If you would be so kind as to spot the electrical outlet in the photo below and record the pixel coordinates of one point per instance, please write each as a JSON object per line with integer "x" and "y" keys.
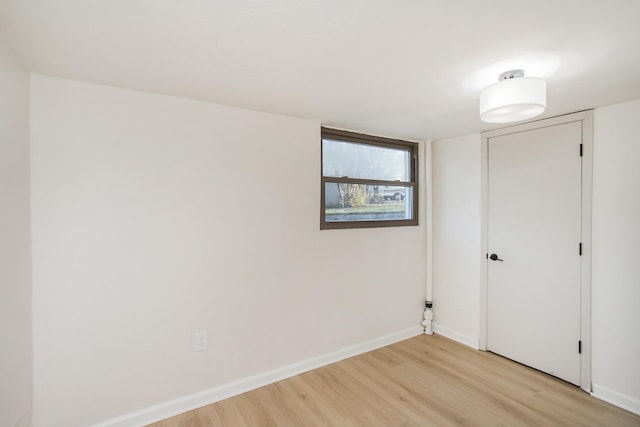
{"x": 200, "y": 341}
{"x": 457, "y": 303}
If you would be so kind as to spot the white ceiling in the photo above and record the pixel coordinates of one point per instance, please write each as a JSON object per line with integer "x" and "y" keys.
{"x": 402, "y": 68}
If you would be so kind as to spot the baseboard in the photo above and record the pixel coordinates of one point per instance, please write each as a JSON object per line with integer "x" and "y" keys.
{"x": 206, "y": 397}
{"x": 615, "y": 398}
{"x": 456, "y": 336}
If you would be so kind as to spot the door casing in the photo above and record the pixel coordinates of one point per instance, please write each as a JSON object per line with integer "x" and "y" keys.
{"x": 586, "y": 120}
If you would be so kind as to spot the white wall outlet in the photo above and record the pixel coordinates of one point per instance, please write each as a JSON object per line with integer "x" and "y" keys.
{"x": 200, "y": 341}
{"x": 457, "y": 303}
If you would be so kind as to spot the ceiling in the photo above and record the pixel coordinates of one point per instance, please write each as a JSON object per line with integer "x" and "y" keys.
{"x": 400, "y": 68}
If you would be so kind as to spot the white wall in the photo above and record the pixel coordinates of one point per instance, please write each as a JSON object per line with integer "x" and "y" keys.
{"x": 155, "y": 217}
{"x": 456, "y": 237}
{"x": 616, "y": 254}
{"x": 15, "y": 245}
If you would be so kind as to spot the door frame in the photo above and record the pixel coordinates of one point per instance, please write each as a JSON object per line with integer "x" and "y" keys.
{"x": 586, "y": 119}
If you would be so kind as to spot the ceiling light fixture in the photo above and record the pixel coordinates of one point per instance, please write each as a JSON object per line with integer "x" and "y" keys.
{"x": 514, "y": 98}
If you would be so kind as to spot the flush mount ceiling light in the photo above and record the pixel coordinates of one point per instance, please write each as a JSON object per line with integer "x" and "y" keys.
{"x": 514, "y": 98}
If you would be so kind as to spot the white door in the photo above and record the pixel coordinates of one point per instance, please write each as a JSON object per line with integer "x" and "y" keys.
{"x": 534, "y": 229}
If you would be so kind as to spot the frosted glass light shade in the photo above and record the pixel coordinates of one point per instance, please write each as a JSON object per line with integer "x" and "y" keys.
{"x": 513, "y": 100}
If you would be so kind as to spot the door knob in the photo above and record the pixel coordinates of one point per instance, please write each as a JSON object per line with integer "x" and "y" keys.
{"x": 494, "y": 257}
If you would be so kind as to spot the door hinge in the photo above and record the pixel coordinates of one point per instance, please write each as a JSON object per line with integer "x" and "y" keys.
{"x": 580, "y": 347}
{"x": 580, "y": 248}
{"x": 580, "y": 150}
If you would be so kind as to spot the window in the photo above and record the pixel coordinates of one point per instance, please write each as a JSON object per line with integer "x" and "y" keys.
{"x": 367, "y": 181}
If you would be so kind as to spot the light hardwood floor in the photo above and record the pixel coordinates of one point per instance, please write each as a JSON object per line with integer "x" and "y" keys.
{"x": 423, "y": 381}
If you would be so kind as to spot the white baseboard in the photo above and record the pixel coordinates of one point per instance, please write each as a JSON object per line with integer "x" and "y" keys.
{"x": 206, "y": 397}
{"x": 615, "y": 398}
{"x": 456, "y": 336}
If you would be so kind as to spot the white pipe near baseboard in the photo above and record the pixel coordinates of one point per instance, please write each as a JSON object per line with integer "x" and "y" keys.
{"x": 428, "y": 313}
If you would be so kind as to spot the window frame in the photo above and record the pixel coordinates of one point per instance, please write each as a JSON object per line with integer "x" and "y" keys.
{"x": 376, "y": 141}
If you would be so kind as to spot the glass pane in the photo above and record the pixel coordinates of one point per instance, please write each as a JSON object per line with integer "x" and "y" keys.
{"x": 360, "y": 202}
{"x": 340, "y": 159}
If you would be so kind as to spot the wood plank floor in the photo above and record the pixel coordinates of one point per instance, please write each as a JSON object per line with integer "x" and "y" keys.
{"x": 423, "y": 381}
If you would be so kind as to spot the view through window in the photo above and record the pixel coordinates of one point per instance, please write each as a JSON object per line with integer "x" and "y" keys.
{"x": 367, "y": 181}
